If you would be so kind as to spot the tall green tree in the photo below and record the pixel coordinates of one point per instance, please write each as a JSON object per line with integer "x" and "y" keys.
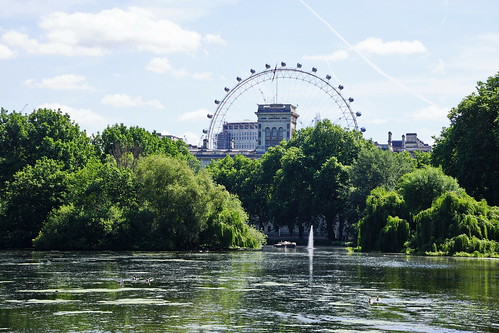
{"x": 384, "y": 222}
{"x": 422, "y": 186}
{"x": 128, "y": 144}
{"x": 372, "y": 168}
{"x": 94, "y": 216}
{"x": 469, "y": 148}
{"x": 24, "y": 139}
{"x": 28, "y": 199}
{"x": 329, "y": 194}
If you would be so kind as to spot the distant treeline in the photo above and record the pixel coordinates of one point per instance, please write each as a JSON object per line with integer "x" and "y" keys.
{"x": 387, "y": 202}
{"x": 124, "y": 189}
{"x": 130, "y": 189}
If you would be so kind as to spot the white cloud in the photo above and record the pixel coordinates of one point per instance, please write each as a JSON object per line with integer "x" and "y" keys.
{"x": 161, "y": 65}
{"x": 18, "y": 39}
{"x": 61, "y": 82}
{"x": 198, "y": 115}
{"x": 6, "y": 53}
{"x": 96, "y": 33}
{"x": 125, "y": 101}
{"x": 378, "y": 46}
{"x": 335, "y": 56}
{"x": 213, "y": 39}
{"x": 191, "y": 138}
{"x": 86, "y": 118}
{"x": 432, "y": 112}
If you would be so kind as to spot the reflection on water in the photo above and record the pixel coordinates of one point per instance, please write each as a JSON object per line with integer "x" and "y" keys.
{"x": 278, "y": 290}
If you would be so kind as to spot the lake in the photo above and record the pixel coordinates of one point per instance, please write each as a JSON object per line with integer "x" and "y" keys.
{"x": 273, "y": 290}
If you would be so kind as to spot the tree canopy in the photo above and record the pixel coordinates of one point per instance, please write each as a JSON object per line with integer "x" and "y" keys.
{"x": 125, "y": 189}
{"x": 469, "y": 148}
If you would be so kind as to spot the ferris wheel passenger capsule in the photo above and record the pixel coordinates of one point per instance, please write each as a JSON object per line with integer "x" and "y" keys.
{"x": 340, "y": 87}
{"x": 362, "y": 129}
{"x": 314, "y": 69}
{"x": 267, "y": 66}
{"x": 217, "y": 101}
{"x": 209, "y": 115}
{"x": 328, "y": 77}
{"x": 226, "y": 89}
{"x": 252, "y": 71}
{"x": 358, "y": 113}
{"x": 298, "y": 65}
{"x": 283, "y": 64}
{"x": 205, "y": 131}
{"x": 350, "y": 99}
{"x": 238, "y": 79}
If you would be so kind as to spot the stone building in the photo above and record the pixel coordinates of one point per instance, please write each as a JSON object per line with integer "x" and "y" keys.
{"x": 410, "y": 142}
{"x": 243, "y": 135}
{"x": 275, "y": 123}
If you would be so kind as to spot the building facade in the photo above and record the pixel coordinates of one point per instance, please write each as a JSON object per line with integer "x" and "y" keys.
{"x": 410, "y": 142}
{"x": 242, "y": 135}
{"x": 276, "y": 122}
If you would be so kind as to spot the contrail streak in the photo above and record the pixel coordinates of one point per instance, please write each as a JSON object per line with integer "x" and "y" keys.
{"x": 366, "y": 59}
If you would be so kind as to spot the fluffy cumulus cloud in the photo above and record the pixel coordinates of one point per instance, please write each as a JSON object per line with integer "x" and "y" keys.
{"x": 161, "y": 65}
{"x": 378, "y": 46}
{"x": 6, "y": 53}
{"x": 96, "y": 33}
{"x": 61, "y": 82}
{"x": 198, "y": 115}
{"x": 432, "y": 112}
{"x": 374, "y": 45}
{"x": 125, "y": 101}
{"x": 86, "y": 118}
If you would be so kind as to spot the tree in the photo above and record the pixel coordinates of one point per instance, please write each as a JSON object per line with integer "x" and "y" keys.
{"x": 28, "y": 199}
{"x": 329, "y": 194}
{"x": 128, "y": 144}
{"x": 44, "y": 133}
{"x": 385, "y": 218}
{"x": 373, "y": 168}
{"x": 95, "y": 214}
{"x": 457, "y": 222}
{"x": 468, "y": 148}
{"x": 420, "y": 187}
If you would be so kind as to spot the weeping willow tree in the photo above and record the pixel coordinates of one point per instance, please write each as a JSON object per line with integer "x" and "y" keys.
{"x": 383, "y": 227}
{"x": 429, "y": 213}
{"x": 162, "y": 205}
{"x": 458, "y": 223}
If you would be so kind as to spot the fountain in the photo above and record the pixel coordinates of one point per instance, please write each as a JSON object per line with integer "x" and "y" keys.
{"x": 311, "y": 238}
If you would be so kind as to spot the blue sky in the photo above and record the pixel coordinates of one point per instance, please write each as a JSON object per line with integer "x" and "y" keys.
{"x": 160, "y": 64}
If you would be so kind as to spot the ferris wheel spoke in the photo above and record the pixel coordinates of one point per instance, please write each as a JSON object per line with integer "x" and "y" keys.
{"x": 314, "y": 97}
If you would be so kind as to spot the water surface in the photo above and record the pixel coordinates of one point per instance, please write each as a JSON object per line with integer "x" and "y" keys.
{"x": 278, "y": 290}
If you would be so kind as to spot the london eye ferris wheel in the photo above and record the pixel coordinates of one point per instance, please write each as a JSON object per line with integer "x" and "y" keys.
{"x": 314, "y": 96}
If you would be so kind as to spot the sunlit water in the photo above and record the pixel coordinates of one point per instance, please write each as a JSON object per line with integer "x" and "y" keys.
{"x": 274, "y": 290}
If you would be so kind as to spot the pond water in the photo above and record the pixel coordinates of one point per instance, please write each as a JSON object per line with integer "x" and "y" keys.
{"x": 273, "y": 290}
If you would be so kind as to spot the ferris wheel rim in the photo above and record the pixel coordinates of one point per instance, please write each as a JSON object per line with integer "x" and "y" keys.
{"x": 231, "y": 95}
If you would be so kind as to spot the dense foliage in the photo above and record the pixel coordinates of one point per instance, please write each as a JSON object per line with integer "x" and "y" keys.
{"x": 469, "y": 148}
{"x": 318, "y": 176}
{"x": 429, "y": 213}
{"x": 125, "y": 189}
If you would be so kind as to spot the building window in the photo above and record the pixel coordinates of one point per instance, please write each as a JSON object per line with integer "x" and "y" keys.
{"x": 267, "y": 137}
{"x": 273, "y": 139}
